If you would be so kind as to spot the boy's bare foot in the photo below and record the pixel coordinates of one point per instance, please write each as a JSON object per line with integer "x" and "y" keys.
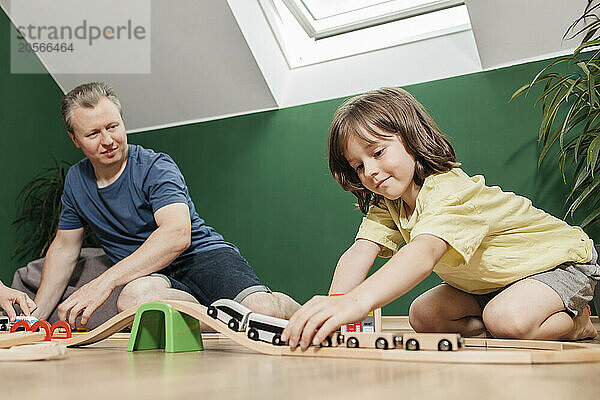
{"x": 583, "y": 327}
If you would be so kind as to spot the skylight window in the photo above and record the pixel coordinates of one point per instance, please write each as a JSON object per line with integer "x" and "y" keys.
{"x": 314, "y": 31}
{"x": 325, "y": 18}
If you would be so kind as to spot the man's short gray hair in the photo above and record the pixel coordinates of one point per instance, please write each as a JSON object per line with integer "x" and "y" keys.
{"x": 87, "y": 95}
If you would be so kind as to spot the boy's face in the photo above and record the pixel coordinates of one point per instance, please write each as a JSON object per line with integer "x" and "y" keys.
{"x": 383, "y": 166}
{"x": 100, "y": 134}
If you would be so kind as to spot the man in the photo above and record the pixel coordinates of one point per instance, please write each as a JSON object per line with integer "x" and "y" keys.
{"x": 137, "y": 204}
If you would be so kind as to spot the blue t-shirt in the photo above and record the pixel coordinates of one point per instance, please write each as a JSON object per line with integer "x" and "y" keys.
{"x": 121, "y": 215}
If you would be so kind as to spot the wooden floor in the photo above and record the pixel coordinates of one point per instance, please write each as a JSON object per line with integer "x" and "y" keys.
{"x": 227, "y": 371}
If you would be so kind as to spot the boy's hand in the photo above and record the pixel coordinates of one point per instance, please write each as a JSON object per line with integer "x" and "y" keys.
{"x": 320, "y": 317}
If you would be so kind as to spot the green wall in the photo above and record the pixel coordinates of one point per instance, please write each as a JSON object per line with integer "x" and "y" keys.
{"x": 32, "y": 132}
{"x": 262, "y": 179}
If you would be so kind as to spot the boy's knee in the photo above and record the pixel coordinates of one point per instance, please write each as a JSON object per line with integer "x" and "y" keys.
{"x": 504, "y": 323}
{"x": 421, "y": 315}
{"x": 139, "y": 291}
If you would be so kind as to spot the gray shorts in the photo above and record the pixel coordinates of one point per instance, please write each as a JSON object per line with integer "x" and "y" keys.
{"x": 573, "y": 282}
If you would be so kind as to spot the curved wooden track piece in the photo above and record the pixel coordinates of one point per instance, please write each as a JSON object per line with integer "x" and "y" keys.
{"x": 18, "y": 338}
{"x": 479, "y": 351}
{"x": 109, "y": 328}
{"x": 34, "y": 352}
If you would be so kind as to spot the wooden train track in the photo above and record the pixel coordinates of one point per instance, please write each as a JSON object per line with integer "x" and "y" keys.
{"x": 26, "y": 346}
{"x": 477, "y": 351}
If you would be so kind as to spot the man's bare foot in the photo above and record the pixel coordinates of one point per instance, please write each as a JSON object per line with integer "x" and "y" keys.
{"x": 275, "y": 304}
{"x": 288, "y": 305}
{"x": 583, "y": 327}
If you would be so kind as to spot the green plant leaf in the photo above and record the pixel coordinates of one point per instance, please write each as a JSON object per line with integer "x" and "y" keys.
{"x": 539, "y": 77}
{"x": 550, "y": 114}
{"x": 592, "y": 154}
{"x": 573, "y": 110}
{"x": 547, "y": 146}
{"x": 591, "y": 30}
{"x": 555, "y": 85}
{"x": 586, "y": 45}
{"x": 591, "y": 218}
{"x": 583, "y": 174}
{"x": 584, "y": 195}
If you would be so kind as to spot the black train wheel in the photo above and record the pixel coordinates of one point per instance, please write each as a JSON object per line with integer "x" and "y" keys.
{"x": 327, "y": 342}
{"x": 253, "y": 334}
{"x": 412, "y": 345}
{"x": 381, "y": 343}
{"x": 233, "y": 324}
{"x": 211, "y": 311}
{"x": 352, "y": 343}
{"x": 444, "y": 345}
{"x": 277, "y": 340}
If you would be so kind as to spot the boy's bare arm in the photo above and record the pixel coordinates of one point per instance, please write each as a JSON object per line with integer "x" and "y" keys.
{"x": 407, "y": 268}
{"x": 321, "y": 315}
{"x": 354, "y": 265}
{"x": 61, "y": 259}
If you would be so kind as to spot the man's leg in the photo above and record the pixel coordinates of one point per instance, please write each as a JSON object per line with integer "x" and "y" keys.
{"x": 275, "y": 304}
{"x": 153, "y": 288}
{"x": 446, "y": 309}
{"x": 149, "y": 288}
{"x": 224, "y": 274}
{"x": 530, "y": 309}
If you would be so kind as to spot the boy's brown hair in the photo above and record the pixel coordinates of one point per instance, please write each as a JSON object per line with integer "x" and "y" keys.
{"x": 392, "y": 111}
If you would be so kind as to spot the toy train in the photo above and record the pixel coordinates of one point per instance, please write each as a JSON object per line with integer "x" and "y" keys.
{"x": 391, "y": 340}
{"x": 4, "y": 323}
{"x": 269, "y": 329}
{"x": 240, "y": 318}
{"x": 30, "y": 319}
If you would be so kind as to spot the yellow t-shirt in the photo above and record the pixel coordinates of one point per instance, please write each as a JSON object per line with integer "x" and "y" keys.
{"x": 496, "y": 237}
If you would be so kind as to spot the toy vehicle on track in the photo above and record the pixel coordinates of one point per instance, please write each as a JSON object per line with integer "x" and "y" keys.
{"x": 230, "y": 312}
{"x": 396, "y": 340}
{"x": 433, "y": 341}
{"x": 266, "y": 328}
{"x": 4, "y": 323}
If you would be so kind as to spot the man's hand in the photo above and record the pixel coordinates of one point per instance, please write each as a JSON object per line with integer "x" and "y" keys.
{"x": 9, "y": 296}
{"x": 320, "y": 317}
{"x": 85, "y": 300}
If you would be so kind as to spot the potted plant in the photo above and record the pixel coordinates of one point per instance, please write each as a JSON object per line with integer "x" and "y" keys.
{"x": 38, "y": 212}
{"x": 570, "y": 115}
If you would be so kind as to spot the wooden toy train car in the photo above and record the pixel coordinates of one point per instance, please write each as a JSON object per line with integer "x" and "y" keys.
{"x": 4, "y": 323}
{"x": 266, "y": 328}
{"x": 30, "y": 319}
{"x": 390, "y": 340}
{"x": 230, "y": 312}
{"x": 433, "y": 341}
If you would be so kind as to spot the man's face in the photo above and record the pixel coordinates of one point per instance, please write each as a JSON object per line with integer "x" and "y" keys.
{"x": 100, "y": 134}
